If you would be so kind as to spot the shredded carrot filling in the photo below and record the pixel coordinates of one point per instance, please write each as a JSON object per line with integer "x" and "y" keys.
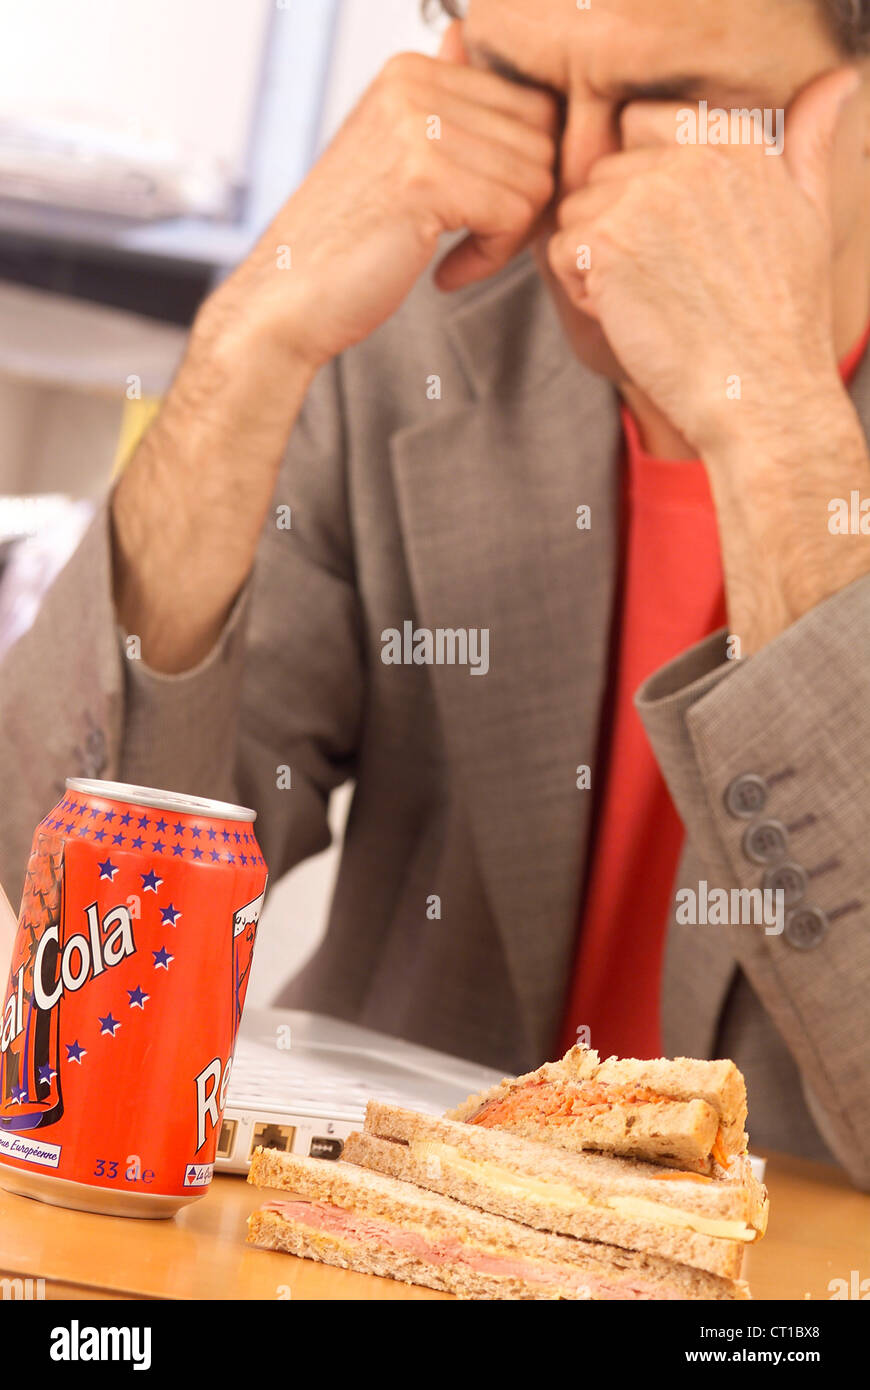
{"x": 560, "y": 1103}
{"x": 676, "y": 1175}
{"x": 718, "y": 1150}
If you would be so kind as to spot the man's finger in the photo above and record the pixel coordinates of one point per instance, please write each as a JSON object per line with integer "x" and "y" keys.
{"x": 528, "y": 104}
{"x": 529, "y": 141}
{"x": 813, "y": 125}
{"x": 580, "y": 208}
{"x": 644, "y": 124}
{"x": 452, "y": 48}
{"x": 612, "y": 168}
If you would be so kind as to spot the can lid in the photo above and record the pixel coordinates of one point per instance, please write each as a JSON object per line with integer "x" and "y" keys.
{"x": 161, "y": 801}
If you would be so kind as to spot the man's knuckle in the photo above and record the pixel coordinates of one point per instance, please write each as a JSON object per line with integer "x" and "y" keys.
{"x": 403, "y": 67}
{"x": 546, "y": 185}
{"x": 520, "y": 209}
{"x": 416, "y": 173}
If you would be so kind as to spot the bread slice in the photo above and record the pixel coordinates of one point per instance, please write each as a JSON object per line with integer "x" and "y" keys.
{"x": 347, "y": 1216}
{"x": 683, "y": 1113}
{"x": 698, "y": 1221}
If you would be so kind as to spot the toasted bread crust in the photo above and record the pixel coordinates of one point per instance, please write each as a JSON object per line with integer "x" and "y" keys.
{"x": 704, "y": 1096}
{"x": 272, "y": 1230}
{"x": 737, "y": 1197}
{"x": 715, "y": 1255}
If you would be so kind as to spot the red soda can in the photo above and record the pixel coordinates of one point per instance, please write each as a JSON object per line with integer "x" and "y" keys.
{"x": 125, "y": 994}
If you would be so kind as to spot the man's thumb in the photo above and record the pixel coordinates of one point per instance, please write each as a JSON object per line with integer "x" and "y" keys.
{"x": 452, "y": 48}
{"x": 811, "y": 132}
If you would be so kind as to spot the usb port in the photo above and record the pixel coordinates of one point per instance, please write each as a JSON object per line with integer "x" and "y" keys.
{"x": 273, "y": 1136}
{"x": 325, "y": 1148}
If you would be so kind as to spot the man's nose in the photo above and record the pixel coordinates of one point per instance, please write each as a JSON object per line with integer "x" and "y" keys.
{"x": 591, "y": 131}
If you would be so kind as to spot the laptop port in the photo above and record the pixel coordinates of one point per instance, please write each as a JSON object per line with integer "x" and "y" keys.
{"x": 273, "y": 1136}
{"x": 325, "y": 1148}
{"x": 227, "y": 1138}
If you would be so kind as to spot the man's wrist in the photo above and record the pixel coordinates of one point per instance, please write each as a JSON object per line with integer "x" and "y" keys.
{"x": 776, "y": 416}
{"x": 779, "y": 482}
{"x": 251, "y": 314}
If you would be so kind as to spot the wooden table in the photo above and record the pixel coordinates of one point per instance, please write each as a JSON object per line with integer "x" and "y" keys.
{"x": 819, "y": 1231}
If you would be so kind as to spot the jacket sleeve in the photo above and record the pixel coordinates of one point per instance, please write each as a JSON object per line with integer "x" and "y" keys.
{"x": 796, "y": 717}
{"x": 270, "y": 717}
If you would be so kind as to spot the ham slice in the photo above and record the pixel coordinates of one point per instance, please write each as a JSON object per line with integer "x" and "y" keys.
{"x": 443, "y": 1249}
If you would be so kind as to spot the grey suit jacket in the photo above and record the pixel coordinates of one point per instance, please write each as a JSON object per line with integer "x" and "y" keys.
{"x": 460, "y": 512}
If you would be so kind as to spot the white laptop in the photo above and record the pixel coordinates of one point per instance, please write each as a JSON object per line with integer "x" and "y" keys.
{"x": 300, "y": 1083}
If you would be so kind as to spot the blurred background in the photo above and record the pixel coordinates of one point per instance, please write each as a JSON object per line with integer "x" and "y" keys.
{"x": 143, "y": 148}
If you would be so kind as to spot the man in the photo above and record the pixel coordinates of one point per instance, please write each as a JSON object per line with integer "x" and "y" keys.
{"x": 468, "y": 562}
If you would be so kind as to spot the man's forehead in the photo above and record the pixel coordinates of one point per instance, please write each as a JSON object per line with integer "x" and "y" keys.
{"x": 639, "y": 49}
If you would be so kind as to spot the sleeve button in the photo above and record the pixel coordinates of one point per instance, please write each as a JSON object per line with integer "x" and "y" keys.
{"x": 805, "y": 928}
{"x": 766, "y": 842}
{"x": 746, "y": 796}
{"x": 789, "y": 879}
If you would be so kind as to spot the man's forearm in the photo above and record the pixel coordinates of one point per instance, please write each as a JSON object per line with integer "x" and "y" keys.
{"x": 188, "y": 512}
{"x": 774, "y": 479}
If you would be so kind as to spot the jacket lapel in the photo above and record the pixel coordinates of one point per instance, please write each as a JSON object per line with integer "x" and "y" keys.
{"x": 488, "y": 494}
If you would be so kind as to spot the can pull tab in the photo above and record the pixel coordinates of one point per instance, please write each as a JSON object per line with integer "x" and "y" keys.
{"x": 8, "y": 930}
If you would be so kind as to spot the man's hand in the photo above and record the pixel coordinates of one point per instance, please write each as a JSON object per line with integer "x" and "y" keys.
{"x": 710, "y": 272}
{"x": 434, "y": 146}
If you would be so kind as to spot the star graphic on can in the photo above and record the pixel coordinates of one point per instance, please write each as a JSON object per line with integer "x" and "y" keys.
{"x": 107, "y": 869}
{"x": 137, "y": 997}
{"x": 109, "y": 1025}
{"x": 46, "y": 1072}
{"x": 162, "y": 957}
{"x": 150, "y": 881}
{"x": 75, "y": 1053}
{"x": 169, "y": 915}
{"x": 19, "y": 1094}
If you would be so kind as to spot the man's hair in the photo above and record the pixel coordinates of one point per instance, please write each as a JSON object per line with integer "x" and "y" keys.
{"x": 849, "y": 19}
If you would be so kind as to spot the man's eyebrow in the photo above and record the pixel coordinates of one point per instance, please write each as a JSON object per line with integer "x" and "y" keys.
{"x": 681, "y": 87}
{"x": 503, "y": 67}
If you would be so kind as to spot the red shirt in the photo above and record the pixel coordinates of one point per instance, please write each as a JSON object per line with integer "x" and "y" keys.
{"x": 672, "y": 598}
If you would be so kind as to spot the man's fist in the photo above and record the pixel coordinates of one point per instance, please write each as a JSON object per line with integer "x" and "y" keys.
{"x": 434, "y": 146}
{"x": 709, "y": 265}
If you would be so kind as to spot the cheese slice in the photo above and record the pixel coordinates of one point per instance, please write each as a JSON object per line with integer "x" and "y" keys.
{"x": 437, "y": 1158}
